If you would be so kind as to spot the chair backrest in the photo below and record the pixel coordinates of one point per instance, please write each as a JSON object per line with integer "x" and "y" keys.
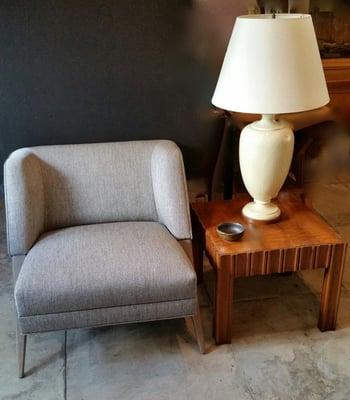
{"x": 85, "y": 184}
{"x": 94, "y": 183}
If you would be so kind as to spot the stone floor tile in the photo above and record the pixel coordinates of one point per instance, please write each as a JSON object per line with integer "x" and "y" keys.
{"x": 276, "y": 353}
{"x": 331, "y": 201}
{"x": 44, "y": 362}
{"x": 282, "y": 355}
{"x": 263, "y": 317}
{"x": 290, "y": 365}
{"x": 312, "y": 280}
{"x": 271, "y": 286}
{"x": 157, "y": 360}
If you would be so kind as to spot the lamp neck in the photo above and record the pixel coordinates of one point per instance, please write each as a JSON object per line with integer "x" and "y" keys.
{"x": 268, "y": 118}
{"x": 268, "y": 122}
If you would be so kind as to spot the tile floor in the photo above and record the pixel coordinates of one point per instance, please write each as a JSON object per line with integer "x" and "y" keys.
{"x": 276, "y": 351}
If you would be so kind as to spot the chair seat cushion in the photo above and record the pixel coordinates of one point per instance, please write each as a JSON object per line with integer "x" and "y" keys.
{"x": 103, "y": 265}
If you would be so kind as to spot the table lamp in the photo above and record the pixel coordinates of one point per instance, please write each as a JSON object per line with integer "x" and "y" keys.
{"x": 272, "y": 66}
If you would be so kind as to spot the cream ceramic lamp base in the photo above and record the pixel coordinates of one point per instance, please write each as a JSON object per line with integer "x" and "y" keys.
{"x": 265, "y": 155}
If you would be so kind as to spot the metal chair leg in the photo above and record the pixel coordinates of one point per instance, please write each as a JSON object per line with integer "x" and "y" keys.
{"x": 197, "y": 323}
{"x": 21, "y": 353}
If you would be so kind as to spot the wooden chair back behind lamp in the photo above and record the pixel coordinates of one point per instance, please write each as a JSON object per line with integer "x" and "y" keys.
{"x": 308, "y": 127}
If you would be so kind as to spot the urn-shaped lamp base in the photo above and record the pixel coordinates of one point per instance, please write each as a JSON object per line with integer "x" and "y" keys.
{"x": 265, "y": 154}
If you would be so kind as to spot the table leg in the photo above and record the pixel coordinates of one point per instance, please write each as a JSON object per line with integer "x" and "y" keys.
{"x": 223, "y": 301}
{"x": 331, "y": 288}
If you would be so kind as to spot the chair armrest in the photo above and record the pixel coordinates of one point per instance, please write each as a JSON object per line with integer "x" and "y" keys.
{"x": 24, "y": 201}
{"x": 170, "y": 189}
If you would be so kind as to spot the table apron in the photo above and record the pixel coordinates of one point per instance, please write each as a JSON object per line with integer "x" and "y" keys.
{"x": 276, "y": 261}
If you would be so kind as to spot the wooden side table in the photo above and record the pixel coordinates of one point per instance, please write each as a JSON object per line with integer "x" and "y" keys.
{"x": 300, "y": 239}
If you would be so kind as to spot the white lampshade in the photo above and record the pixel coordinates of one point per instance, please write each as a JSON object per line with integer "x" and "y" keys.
{"x": 272, "y": 66}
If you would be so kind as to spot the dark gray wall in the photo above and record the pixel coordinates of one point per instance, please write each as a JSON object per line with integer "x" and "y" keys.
{"x": 75, "y": 71}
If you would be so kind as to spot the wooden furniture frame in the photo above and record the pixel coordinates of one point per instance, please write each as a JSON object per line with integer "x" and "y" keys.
{"x": 299, "y": 240}
{"x": 337, "y": 73}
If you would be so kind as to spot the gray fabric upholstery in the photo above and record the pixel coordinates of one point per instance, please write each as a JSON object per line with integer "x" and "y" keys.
{"x": 17, "y": 262}
{"x": 24, "y": 201}
{"x": 169, "y": 183}
{"x": 101, "y": 266}
{"x": 108, "y": 316}
{"x": 187, "y": 247}
{"x": 50, "y": 187}
{"x": 92, "y": 232}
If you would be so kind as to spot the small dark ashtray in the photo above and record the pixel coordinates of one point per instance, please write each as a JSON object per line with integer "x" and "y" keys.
{"x": 230, "y": 231}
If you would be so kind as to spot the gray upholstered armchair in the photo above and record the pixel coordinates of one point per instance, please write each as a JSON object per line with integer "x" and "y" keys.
{"x": 98, "y": 235}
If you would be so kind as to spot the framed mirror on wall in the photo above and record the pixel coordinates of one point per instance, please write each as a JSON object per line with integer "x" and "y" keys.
{"x": 214, "y": 19}
{"x": 332, "y": 25}
{"x": 331, "y": 19}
